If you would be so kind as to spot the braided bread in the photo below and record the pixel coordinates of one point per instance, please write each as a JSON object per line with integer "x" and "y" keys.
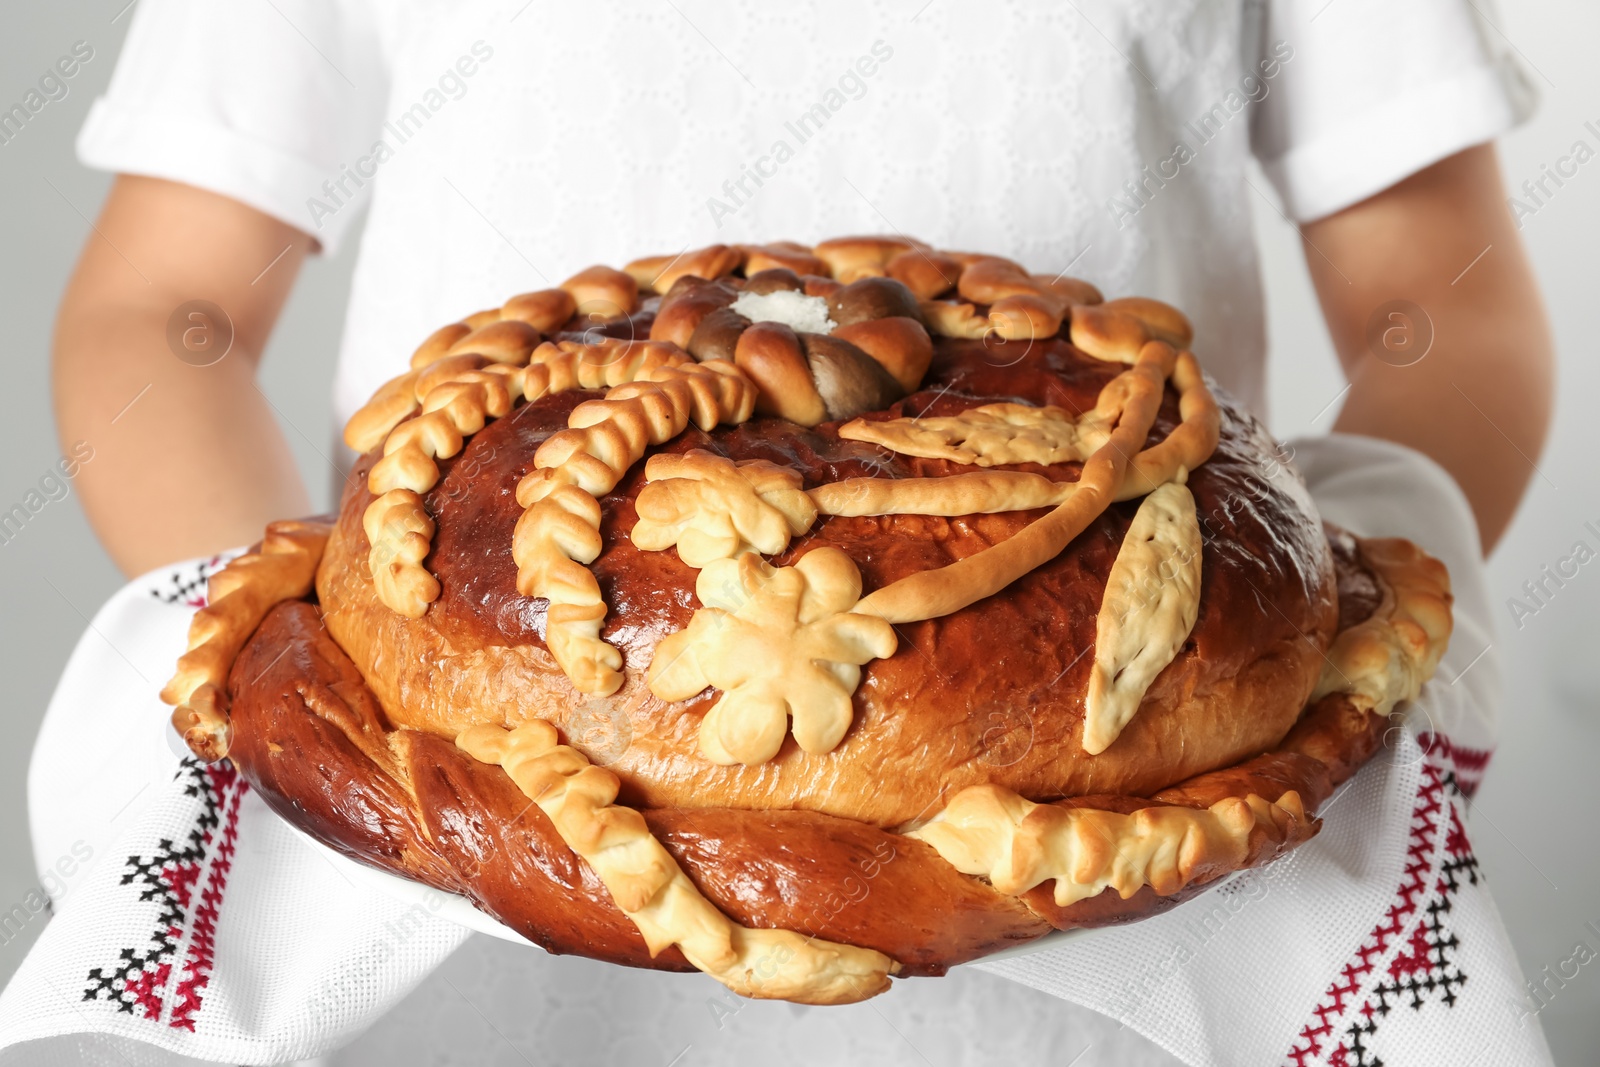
{"x": 561, "y": 528}
{"x": 460, "y": 825}
{"x": 237, "y": 599}
{"x": 400, "y": 531}
{"x": 734, "y": 611}
{"x": 650, "y": 887}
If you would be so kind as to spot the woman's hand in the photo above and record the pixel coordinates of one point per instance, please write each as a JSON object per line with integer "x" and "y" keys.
{"x": 187, "y": 456}
{"x": 1479, "y": 401}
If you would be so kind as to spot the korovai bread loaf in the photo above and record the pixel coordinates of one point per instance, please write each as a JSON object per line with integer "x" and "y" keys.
{"x": 807, "y": 616}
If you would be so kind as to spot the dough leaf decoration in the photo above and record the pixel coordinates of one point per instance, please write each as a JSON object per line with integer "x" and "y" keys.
{"x": 990, "y": 436}
{"x": 1151, "y": 602}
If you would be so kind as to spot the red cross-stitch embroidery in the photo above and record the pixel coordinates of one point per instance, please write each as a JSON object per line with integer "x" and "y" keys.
{"x": 186, "y": 883}
{"x": 1409, "y": 957}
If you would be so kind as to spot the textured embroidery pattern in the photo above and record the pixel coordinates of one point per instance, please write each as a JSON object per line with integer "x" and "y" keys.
{"x": 164, "y": 980}
{"x": 1409, "y": 959}
{"x": 187, "y": 587}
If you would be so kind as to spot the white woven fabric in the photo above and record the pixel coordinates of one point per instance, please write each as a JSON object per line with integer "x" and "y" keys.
{"x": 202, "y": 925}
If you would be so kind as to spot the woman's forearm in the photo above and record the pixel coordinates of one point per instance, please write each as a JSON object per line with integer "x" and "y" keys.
{"x": 1437, "y": 319}
{"x": 188, "y": 457}
{"x": 1480, "y": 408}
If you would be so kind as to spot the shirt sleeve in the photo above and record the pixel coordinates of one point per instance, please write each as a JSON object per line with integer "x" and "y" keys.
{"x": 1367, "y": 92}
{"x": 270, "y": 103}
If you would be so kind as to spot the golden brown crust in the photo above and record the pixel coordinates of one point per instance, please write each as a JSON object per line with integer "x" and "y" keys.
{"x": 1025, "y": 317}
{"x": 926, "y": 273}
{"x": 657, "y": 274}
{"x": 395, "y": 400}
{"x": 1074, "y": 291}
{"x": 784, "y": 255}
{"x": 954, "y": 319}
{"x": 501, "y": 341}
{"x": 1138, "y": 393}
{"x": 506, "y": 579}
{"x": 458, "y": 393}
{"x": 602, "y": 293}
{"x": 898, "y": 343}
{"x": 560, "y": 531}
{"x": 1116, "y": 331}
{"x": 987, "y": 279}
{"x": 679, "y": 317}
{"x": 438, "y": 344}
{"x": 852, "y": 258}
{"x": 1231, "y": 693}
{"x": 648, "y": 885}
{"x": 1018, "y": 845}
{"x": 1027, "y": 307}
{"x": 770, "y": 354}
{"x": 313, "y": 741}
{"x": 238, "y": 597}
{"x": 1385, "y": 659}
{"x": 546, "y": 310}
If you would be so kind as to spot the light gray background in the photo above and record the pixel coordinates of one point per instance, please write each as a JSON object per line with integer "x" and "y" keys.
{"x": 1534, "y": 821}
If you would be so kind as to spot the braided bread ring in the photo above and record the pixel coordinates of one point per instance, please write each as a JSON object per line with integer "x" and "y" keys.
{"x": 1019, "y": 303}
{"x": 400, "y": 533}
{"x": 461, "y": 826}
{"x": 457, "y": 394}
{"x": 649, "y": 886}
{"x": 399, "y": 530}
{"x": 238, "y": 597}
{"x": 560, "y": 530}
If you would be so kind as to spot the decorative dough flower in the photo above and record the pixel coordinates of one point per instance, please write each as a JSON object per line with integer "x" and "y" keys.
{"x": 712, "y": 508}
{"x": 780, "y": 643}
